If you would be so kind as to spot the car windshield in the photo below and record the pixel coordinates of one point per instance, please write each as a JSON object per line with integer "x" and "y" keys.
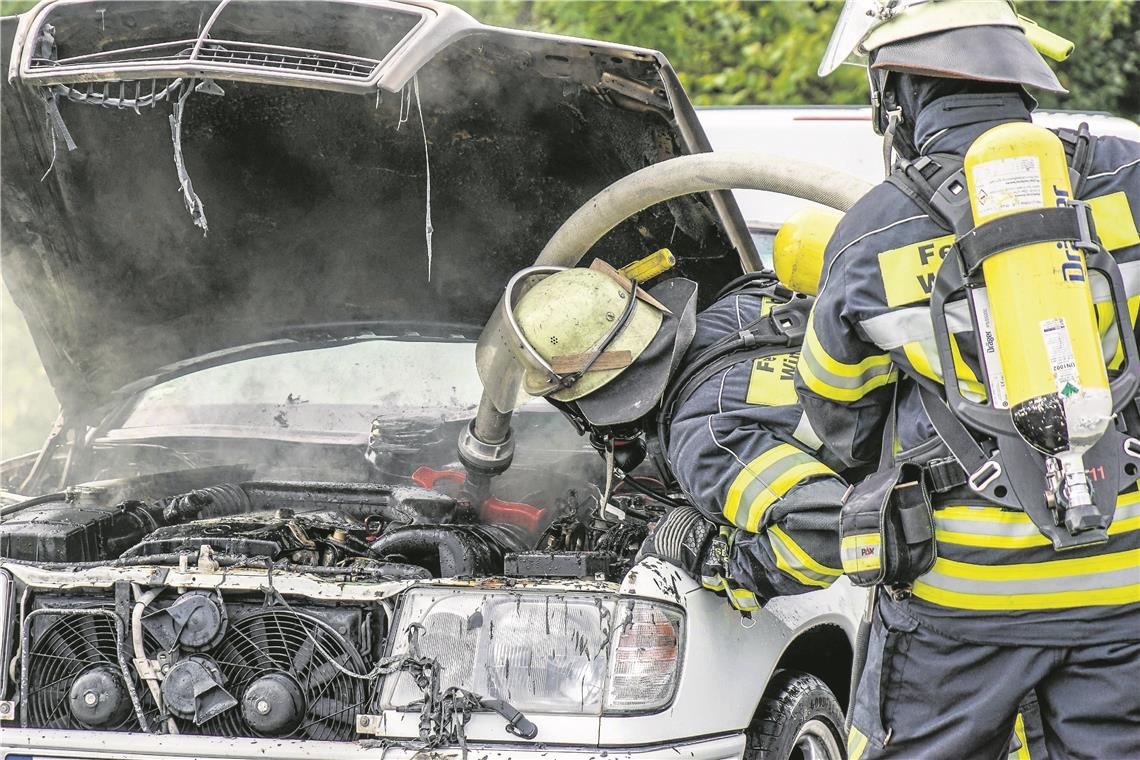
{"x": 372, "y": 410}
{"x": 332, "y": 393}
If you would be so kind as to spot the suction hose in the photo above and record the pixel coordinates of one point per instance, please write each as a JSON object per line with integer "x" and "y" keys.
{"x": 729, "y": 170}
{"x": 485, "y": 447}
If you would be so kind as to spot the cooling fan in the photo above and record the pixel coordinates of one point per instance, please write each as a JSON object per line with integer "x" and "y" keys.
{"x": 279, "y": 666}
{"x": 74, "y": 678}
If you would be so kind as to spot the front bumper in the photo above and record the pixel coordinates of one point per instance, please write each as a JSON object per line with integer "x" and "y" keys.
{"x": 107, "y": 745}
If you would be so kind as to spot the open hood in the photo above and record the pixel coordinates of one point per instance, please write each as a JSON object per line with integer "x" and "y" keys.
{"x": 291, "y": 200}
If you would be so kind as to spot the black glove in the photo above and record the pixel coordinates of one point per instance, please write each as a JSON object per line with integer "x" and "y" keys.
{"x": 689, "y": 540}
{"x": 682, "y": 538}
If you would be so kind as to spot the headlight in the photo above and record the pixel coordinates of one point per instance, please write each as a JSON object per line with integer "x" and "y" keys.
{"x": 645, "y": 658}
{"x": 541, "y": 652}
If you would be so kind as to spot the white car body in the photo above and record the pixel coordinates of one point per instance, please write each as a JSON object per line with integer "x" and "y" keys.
{"x": 839, "y": 137}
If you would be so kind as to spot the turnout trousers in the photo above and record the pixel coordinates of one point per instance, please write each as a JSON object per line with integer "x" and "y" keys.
{"x": 926, "y": 696}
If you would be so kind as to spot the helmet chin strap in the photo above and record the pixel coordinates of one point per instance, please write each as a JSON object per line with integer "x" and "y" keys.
{"x": 894, "y": 118}
{"x": 884, "y": 104}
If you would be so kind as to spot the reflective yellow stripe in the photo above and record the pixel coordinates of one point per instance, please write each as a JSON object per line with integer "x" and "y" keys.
{"x": 1021, "y": 542}
{"x": 1115, "y": 224}
{"x": 993, "y": 528}
{"x": 1058, "y": 600}
{"x": 923, "y": 356}
{"x": 1022, "y": 752}
{"x": 837, "y": 380}
{"x": 967, "y": 380}
{"x": 1056, "y": 569}
{"x": 999, "y": 587}
{"x": 781, "y": 486}
{"x": 765, "y": 480}
{"x": 743, "y": 600}
{"x": 856, "y": 744}
{"x": 714, "y": 582}
{"x": 793, "y": 560}
{"x": 991, "y": 542}
{"x": 860, "y": 552}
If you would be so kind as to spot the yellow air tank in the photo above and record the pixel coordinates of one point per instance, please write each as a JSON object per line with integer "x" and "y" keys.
{"x": 1041, "y": 303}
{"x": 797, "y": 251}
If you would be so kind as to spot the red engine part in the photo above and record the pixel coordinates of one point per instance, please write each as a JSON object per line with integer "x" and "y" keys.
{"x": 493, "y": 510}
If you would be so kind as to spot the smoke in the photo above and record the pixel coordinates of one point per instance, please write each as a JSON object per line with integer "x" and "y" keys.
{"x": 317, "y": 206}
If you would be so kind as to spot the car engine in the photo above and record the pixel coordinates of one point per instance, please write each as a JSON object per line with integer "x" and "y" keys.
{"x": 261, "y": 609}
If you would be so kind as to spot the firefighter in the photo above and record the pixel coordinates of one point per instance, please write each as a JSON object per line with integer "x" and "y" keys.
{"x": 723, "y": 407}
{"x": 996, "y": 611}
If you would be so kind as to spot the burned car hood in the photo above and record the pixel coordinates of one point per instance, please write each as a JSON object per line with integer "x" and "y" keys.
{"x": 320, "y": 183}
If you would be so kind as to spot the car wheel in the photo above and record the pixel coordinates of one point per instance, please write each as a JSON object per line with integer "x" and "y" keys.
{"x": 798, "y": 719}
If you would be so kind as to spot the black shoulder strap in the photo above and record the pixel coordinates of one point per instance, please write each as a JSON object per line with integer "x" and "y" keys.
{"x": 921, "y": 179}
{"x": 935, "y": 182}
{"x": 783, "y": 327}
{"x": 762, "y": 283}
{"x": 1080, "y": 147}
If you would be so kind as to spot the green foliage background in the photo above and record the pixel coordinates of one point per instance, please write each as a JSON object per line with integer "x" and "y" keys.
{"x": 727, "y": 52}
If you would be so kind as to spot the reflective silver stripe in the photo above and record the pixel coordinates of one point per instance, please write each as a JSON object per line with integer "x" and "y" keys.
{"x": 989, "y": 527}
{"x": 983, "y": 528}
{"x": 1104, "y": 579}
{"x": 805, "y": 434}
{"x": 1129, "y": 273}
{"x": 1002, "y": 586}
{"x": 839, "y": 381}
{"x": 860, "y": 552}
{"x": 896, "y": 328}
{"x": 1023, "y": 527}
{"x": 927, "y": 350}
{"x": 901, "y": 326}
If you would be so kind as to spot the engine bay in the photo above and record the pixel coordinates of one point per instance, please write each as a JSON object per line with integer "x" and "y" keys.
{"x": 238, "y": 608}
{"x": 368, "y": 530}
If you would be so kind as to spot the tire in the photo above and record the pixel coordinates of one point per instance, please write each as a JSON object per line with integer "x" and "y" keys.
{"x": 798, "y": 719}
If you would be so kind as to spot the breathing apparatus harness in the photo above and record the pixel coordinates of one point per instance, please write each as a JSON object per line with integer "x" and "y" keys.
{"x": 1011, "y": 476}
{"x": 781, "y": 328}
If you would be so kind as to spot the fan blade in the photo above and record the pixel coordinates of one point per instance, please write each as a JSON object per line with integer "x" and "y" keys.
{"x": 322, "y": 674}
{"x": 68, "y": 640}
{"x": 304, "y": 654}
{"x": 327, "y": 708}
{"x": 99, "y": 639}
{"x": 256, "y": 632}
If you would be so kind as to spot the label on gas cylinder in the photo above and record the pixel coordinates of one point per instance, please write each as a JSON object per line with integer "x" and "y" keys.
{"x": 991, "y": 360}
{"x": 1061, "y": 359}
{"x": 1007, "y": 184}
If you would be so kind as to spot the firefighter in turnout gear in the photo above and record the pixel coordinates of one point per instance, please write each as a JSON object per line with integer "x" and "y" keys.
{"x": 740, "y": 448}
{"x": 718, "y": 390}
{"x": 977, "y": 606}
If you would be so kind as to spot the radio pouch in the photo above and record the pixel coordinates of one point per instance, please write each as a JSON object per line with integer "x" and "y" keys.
{"x": 886, "y": 528}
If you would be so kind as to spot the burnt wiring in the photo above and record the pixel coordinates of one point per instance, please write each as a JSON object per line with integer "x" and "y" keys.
{"x": 121, "y": 97}
{"x": 193, "y": 203}
{"x": 633, "y": 482}
{"x": 407, "y": 95}
{"x": 428, "y": 229}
